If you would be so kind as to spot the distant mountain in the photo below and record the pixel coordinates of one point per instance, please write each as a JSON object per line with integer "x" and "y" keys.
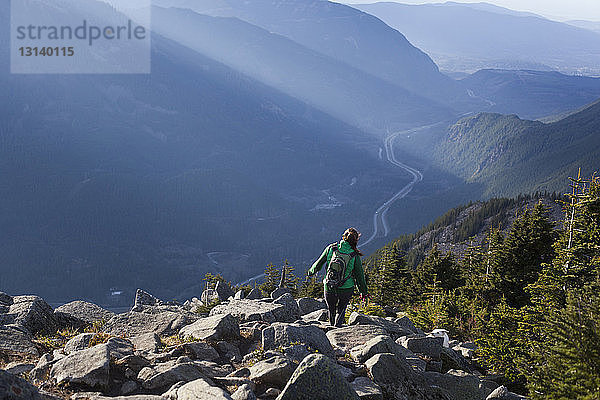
{"x": 532, "y": 94}
{"x": 590, "y": 25}
{"x": 508, "y": 155}
{"x": 347, "y": 35}
{"x": 112, "y": 182}
{"x": 462, "y": 37}
{"x": 332, "y": 86}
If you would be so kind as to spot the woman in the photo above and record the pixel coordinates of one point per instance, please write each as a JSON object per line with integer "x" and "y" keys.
{"x": 340, "y": 288}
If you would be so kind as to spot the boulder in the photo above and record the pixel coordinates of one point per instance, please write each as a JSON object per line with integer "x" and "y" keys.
{"x": 162, "y": 376}
{"x": 239, "y": 295}
{"x": 198, "y": 389}
{"x": 255, "y": 294}
{"x": 209, "y": 297}
{"x": 86, "y": 312}
{"x": 351, "y": 336}
{"x": 78, "y": 343}
{"x": 223, "y": 291}
{"x": 90, "y": 367}
{"x": 14, "y": 388}
{"x": 229, "y": 351}
{"x": 377, "y": 345}
{"x": 366, "y": 389}
{"x": 393, "y": 329}
{"x": 428, "y": 345}
{"x": 252, "y": 310}
{"x": 147, "y": 342}
{"x": 201, "y": 351}
{"x": 144, "y": 299}
{"x": 33, "y": 314}
{"x": 502, "y": 393}
{"x": 134, "y": 323}
{"x": 99, "y": 396}
{"x": 292, "y": 312}
{"x": 319, "y": 315}
{"x": 16, "y": 340}
{"x": 280, "y": 292}
{"x": 284, "y": 335}
{"x": 5, "y": 299}
{"x": 216, "y": 327}
{"x": 18, "y": 368}
{"x": 406, "y": 324}
{"x": 458, "y": 385}
{"x": 244, "y": 392}
{"x": 453, "y": 360}
{"x": 273, "y": 372}
{"x": 318, "y": 377}
{"x": 388, "y": 369}
{"x": 307, "y": 305}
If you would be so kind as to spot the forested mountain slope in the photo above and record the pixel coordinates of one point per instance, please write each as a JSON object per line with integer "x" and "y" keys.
{"x": 508, "y": 155}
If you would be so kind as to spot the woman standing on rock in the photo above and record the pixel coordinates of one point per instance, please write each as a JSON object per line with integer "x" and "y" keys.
{"x": 344, "y": 271}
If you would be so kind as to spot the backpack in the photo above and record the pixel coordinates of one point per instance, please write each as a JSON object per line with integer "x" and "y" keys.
{"x": 336, "y": 270}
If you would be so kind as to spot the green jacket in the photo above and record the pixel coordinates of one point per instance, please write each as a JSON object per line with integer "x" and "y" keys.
{"x": 354, "y": 270}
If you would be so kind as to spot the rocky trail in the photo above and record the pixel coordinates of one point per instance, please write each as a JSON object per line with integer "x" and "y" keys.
{"x": 247, "y": 347}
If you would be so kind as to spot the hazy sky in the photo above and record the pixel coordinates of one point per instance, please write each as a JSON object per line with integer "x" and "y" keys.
{"x": 555, "y": 9}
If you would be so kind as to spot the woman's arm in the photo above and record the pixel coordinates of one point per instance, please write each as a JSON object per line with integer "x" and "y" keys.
{"x": 316, "y": 267}
{"x": 359, "y": 274}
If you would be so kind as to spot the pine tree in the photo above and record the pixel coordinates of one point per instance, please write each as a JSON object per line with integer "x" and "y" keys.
{"x": 271, "y": 282}
{"x": 390, "y": 278}
{"x": 437, "y": 267}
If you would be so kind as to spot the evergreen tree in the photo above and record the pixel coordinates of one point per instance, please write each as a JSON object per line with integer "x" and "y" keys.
{"x": 389, "y": 280}
{"x": 272, "y": 278}
{"x": 437, "y": 268}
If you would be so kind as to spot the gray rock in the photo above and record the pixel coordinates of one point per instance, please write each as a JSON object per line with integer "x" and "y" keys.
{"x": 223, "y": 290}
{"x": 273, "y": 372}
{"x": 201, "y": 351}
{"x": 502, "y": 393}
{"x": 291, "y": 307}
{"x": 163, "y": 376}
{"x": 284, "y": 335}
{"x": 239, "y": 295}
{"x": 86, "y": 312}
{"x": 213, "y": 370}
{"x": 366, "y": 389}
{"x": 18, "y": 368}
{"x": 252, "y": 310}
{"x": 351, "y": 336}
{"x": 393, "y": 329}
{"x": 147, "y": 342}
{"x": 16, "y": 340}
{"x": 215, "y": 327}
{"x": 458, "y": 385}
{"x": 244, "y": 392}
{"x": 406, "y": 324}
{"x": 319, "y": 315}
{"x": 209, "y": 297}
{"x": 42, "y": 368}
{"x": 387, "y": 369}
{"x": 79, "y": 342}
{"x": 453, "y": 360}
{"x": 129, "y": 387}
{"x": 33, "y": 314}
{"x": 143, "y": 299}
{"x": 255, "y": 294}
{"x": 377, "y": 345}
{"x": 318, "y": 377}
{"x": 280, "y": 292}
{"x": 90, "y": 367}
{"x": 14, "y": 388}
{"x": 99, "y": 396}
{"x": 307, "y": 305}
{"x": 229, "y": 351}
{"x": 199, "y": 389}
{"x": 133, "y": 323}
{"x": 5, "y": 299}
{"x": 428, "y": 345}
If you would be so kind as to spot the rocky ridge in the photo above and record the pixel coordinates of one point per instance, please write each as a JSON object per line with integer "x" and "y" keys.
{"x": 244, "y": 349}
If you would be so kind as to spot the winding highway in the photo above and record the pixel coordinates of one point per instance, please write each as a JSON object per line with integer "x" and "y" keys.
{"x": 380, "y": 224}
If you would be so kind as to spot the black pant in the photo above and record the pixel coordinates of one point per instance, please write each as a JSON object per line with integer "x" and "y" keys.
{"x": 337, "y": 302}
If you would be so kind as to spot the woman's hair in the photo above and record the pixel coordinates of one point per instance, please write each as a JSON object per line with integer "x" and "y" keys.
{"x": 351, "y": 236}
